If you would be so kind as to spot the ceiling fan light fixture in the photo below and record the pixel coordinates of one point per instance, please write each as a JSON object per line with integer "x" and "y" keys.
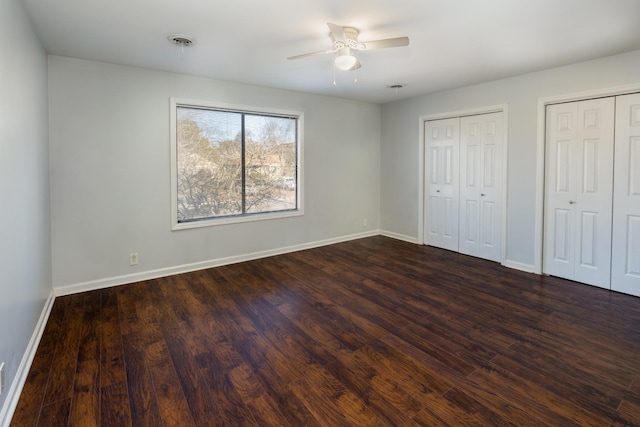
{"x": 345, "y": 59}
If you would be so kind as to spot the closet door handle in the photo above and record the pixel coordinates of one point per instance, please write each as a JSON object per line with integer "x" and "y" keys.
{"x": 572, "y": 202}
{"x": 437, "y": 191}
{"x": 482, "y": 194}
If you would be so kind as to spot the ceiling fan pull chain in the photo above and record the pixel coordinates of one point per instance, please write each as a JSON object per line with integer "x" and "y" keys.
{"x": 355, "y": 78}
{"x": 334, "y": 74}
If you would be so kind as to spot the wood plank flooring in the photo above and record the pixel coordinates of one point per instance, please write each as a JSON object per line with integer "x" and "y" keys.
{"x": 372, "y": 332}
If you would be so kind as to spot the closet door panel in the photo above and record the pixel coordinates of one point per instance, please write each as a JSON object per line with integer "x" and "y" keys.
{"x": 578, "y": 191}
{"x": 562, "y": 238}
{"x": 469, "y": 233}
{"x": 470, "y": 178}
{"x": 594, "y": 176}
{"x": 625, "y": 268}
{"x": 441, "y": 183}
{"x": 559, "y": 221}
{"x": 488, "y": 224}
{"x": 481, "y": 186}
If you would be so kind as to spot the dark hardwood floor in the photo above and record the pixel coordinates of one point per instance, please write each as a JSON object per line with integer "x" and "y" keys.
{"x": 367, "y": 333}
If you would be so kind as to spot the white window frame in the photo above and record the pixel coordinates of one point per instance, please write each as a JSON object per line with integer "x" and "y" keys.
{"x": 208, "y": 222}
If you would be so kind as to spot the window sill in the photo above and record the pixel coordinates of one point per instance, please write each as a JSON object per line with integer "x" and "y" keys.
{"x": 212, "y": 222}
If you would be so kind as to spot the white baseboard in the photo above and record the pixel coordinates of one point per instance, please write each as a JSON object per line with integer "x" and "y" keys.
{"x": 185, "y": 268}
{"x": 398, "y": 236}
{"x": 528, "y": 268}
{"x": 13, "y": 395}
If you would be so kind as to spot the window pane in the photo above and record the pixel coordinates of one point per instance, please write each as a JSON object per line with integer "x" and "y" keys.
{"x": 209, "y": 152}
{"x": 270, "y": 163}
{"x": 233, "y": 164}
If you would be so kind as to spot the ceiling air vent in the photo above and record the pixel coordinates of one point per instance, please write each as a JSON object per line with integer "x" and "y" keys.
{"x": 182, "y": 40}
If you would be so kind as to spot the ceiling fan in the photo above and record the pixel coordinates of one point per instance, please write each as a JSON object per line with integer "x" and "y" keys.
{"x": 345, "y": 42}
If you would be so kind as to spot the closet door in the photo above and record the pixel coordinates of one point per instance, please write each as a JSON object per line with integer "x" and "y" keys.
{"x": 625, "y": 269}
{"x": 481, "y": 186}
{"x": 578, "y": 191}
{"x": 441, "y": 183}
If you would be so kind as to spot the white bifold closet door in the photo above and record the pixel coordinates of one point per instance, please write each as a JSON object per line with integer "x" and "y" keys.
{"x": 625, "y": 271}
{"x": 579, "y": 191}
{"x": 441, "y": 183}
{"x": 481, "y": 186}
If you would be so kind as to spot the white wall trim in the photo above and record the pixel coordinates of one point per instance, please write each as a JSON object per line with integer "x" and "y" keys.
{"x": 505, "y": 178}
{"x": 186, "y": 268}
{"x": 540, "y": 154}
{"x": 421, "y": 172}
{"x": 398, "y": 236}
{"x": 527, "y": 268}
{"x": 499, "y": 108}
{"x": 466, "y": 112}
{"x": 13, "y": 395}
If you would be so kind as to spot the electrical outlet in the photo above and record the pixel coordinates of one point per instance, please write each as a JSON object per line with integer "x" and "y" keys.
{"x": 1, "y": 378}
{"x": 133, "y": 258}
{"x": 364, "y": 222}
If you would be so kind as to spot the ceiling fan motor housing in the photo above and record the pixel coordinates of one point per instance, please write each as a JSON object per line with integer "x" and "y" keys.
{"x": 350, "y": 39}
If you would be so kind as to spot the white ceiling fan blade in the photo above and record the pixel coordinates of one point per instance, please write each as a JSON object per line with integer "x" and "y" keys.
{"x": 337, "y": 32}
{"x": 304, "y": 55}
{"x": 381, "y": 44}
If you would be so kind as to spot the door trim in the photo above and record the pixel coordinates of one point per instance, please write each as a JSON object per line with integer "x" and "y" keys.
{"x": 540, "y": 154}
{"x": 499, "y": 108}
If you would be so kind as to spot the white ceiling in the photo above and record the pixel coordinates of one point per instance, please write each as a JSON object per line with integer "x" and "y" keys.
{"x": 453, "y": 43}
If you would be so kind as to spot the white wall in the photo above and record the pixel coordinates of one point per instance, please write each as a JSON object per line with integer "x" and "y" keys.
{"x": 110, "y": 182}
{"x": 25, "y": 250}
{"x": 399, "y": 143}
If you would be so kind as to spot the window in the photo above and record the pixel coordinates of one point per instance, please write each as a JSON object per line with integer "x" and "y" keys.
{"x": 233, "y": 164}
